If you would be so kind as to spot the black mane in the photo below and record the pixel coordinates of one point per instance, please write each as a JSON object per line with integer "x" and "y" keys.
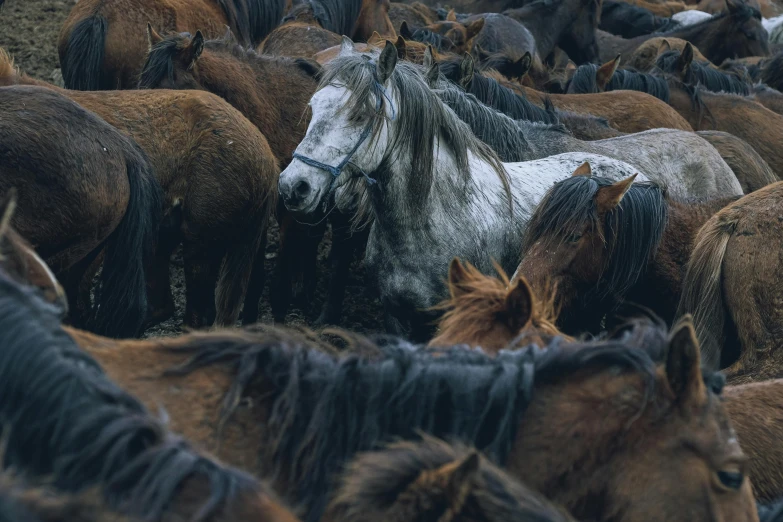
{"x": 66, "y": 421}
{"x": 489, "y": 92}
{"x": 633, "y": 229}
{"x": 324, "y": 408}
{"x": 701, "y": 74}
{"x": 337, "y": 16}
{"x": 583, "y": 82}
{"x": 252, "y": 20}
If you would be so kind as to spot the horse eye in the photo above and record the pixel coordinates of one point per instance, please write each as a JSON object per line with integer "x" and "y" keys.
{"x": 731, "y": 479}
{"x": 574, "y": 238}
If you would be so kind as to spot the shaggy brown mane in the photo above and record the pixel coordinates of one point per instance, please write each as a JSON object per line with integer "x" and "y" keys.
{"x": 7, "y": 68}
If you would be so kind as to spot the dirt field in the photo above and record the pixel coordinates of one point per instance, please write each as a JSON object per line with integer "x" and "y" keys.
{"x": 29, "y": 30}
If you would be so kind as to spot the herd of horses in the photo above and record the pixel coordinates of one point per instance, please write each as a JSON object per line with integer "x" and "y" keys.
{"x": 620, "y": 159}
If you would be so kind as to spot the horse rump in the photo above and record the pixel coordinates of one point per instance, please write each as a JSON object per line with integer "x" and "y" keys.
{"x": 82, "y": 58}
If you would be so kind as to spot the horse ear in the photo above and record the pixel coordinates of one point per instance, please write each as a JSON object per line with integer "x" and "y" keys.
{"x": 429, "y": 57}
{"x": 474, "y": 27}
{"x": 466, "y": 71}
{"x": 583, "y": 170}
{"x": 480, "y": 53}
{"x": 405, "y": 31}
{"x": 195, "y": 48}
{"x": 665, "y": 46}
{"x": 451, "y": 16}
{"x": 603, "y": 75}
{"x": 683, "y": 364}
{"x": 9, "y": 207}
{"x": 433, "y": 73}
{"x": 375, "y": 39}
{"x": 521, "y": 66}
{"x": 686, "y": 58}
{"x": 519, "y": 305}
{"x": 607, "y": 198}
{"x": 734, "y": 5}
{"x": 152, "y": 36}
{"x": 457, "y": 276}
{"x": 346, "y": 46}
{"x": 402, "y": 51}
{"x": 387, "y": 61}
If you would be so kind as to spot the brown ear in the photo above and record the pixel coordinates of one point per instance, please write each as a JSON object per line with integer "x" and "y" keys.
{"x": 734, "y": 5}
{"x": 466, "y": 71}
{"x": 402, "y": 51}
{"x": 152, "y": 36}
{"x": 375, "y": 39}
{"x": 683, "y": 364}
{"x": 457, "y": 277}
{"x": 583, "y": 170}
{"x": 607, "y": 198}
{"x": 686, "y": 58}
{"x": 474, "y": 28}
{"x": 524, "y": 63}
{"x": 405, "y": 31}
{"x": 570, "y": 66}
{"x": 603, "y": 75}
{"x": 451, "y": 16}
{"x": 665, "y": 46}
{"x": 8, "y": 208}
{"x": 194, "y": 49}
{"x": 519, "y": 305}
{"x": 387, "y": 61}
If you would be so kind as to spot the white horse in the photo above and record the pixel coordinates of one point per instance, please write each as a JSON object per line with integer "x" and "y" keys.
{"x": 437, "y": 192}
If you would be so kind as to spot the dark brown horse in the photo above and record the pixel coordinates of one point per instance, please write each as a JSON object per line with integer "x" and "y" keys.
{"x": 491, "y": 313}
{"x": 273, "y": 93}
{"x": 731, "y": 286}
{"x": 59, "y": 156}
{"x": 285, "y": 400}
{"x": 314, "y": 25}
{"x": 414, "y": 15}
{"x": 67, "y": 424}
{"x": 432, "y": 480}
{"x": 448, "y": 35}
{"x": 220, "y": 182}
{"x": 735, "y": 33}
{"x": 604, "y": 242}
{"x": 102, "y": 44}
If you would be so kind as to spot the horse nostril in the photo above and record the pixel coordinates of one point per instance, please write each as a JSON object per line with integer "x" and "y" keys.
{"x": 302, "y": 189}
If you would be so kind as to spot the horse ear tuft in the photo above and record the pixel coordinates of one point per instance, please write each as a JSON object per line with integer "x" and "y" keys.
{"x": 603, "y": 75}
{"x": 665, "y": 46}
{"x": 524, "y": 63}
{"x": 195, "y": 48}
{"x": 519, "y": 305}
{"x": 451, "y": 16}
{"x": 346, "y": 46}
{"x": 433, "y": 73}
{"x": 405, "y": 31}
{"x": 683, "y": 364}
{"x": 402, "y": 51}
{"x": 387, "y": 61}
{"x": 429, "y": 57}
{"x": 474, "y": 28}
{"x": 607, "y": 198}
{"x": 466, "y": 71}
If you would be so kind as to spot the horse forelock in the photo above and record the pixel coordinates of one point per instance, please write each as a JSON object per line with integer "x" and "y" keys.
{"x": 584, "y": 81}
{"x": 631, "y": 231}
{"x": 68, "y": 421}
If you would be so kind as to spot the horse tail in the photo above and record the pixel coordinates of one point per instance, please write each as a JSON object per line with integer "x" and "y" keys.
{"x": 240, "y": 263}
{"x": 702, "y": 289}
{"x": 82, "y": 58}
{"x": 122, "y": 296}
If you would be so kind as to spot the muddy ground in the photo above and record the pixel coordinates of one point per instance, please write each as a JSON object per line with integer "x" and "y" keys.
{"x": 29, "y": 30}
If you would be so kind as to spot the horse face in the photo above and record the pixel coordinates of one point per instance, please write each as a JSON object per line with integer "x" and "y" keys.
{"x": 331, "y": 137}
{"x": 579, "y": 43}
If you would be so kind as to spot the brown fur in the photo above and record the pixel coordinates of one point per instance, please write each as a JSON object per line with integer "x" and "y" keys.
{"x": 644, "y": 57}
{"x": 664, "y": 9}
{"x": 220, "y": 181}
{"x": 415, "y": 15}
{"x": 490, "y": 312}
{"x": 750, "y": 168}
{"x": 458, "y": 37}
{"x": 732, "y": 286}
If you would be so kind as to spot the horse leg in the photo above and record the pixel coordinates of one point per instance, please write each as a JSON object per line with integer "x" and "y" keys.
{"x": 256, "y": 286}
{"x": 202, "y": 265}
{"x": 344, "y": 248}
{"x": 161, "y": 301}
{"x": 77, "y": 283}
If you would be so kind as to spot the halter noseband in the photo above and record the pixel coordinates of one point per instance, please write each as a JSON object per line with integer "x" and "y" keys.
{"x": 380, "y": 94}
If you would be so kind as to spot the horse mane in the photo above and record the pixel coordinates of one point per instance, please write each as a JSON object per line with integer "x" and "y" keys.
{"x": 638, "y": 17}
{"x": 7, "y": 67}
{"x": 373, "y": 481}
{"x": 424, "y": 120}
{"x": 770, "y": 71}
{"x": 490, "y": 92}
{"x": 337, "y": 16}
{"x": 429, "y": 37}
{"x": 634, "y": 228}
{"x": 700, "y": 74}
{"x": 66, "y": 421}
{"x": 324, "y": 409}
{"x": 252, "y": 20}
{"x": 584, "y": 81}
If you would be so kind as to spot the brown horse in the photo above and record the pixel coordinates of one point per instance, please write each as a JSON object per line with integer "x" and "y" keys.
{"x": 489, "y": 312}
{"x": 448, "y": 35}
{"x": 735, "y": 33}
{"x": 603, "y": 242}
{"x": 102, "y": 44}
{"x": 220, "y": 182}
{"x": 432, "y": 480}
{"x": 732, "y": 286}
{"x": 60, "y": 156}
{"x": 316, "y": 25}
{"x": 67, "y": 424}
{"x": 288, "y": 391}
{"x": 413, "y": 15}
{"x": 273, "y": 93}
{"x": 645, "y": 56}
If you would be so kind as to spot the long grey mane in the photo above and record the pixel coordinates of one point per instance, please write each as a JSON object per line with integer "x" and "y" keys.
{"x": 421, "y": 119}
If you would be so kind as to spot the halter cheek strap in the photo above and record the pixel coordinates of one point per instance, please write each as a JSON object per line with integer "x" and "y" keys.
{"x": 335, "y": 171}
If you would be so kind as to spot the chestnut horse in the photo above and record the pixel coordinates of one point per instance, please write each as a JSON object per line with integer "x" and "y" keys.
{"x": 491, "y": 313}
{"x": 60, "y": 156}
{"x": 732, "y": 287}
{"x": 67, "y": 424}
{"x": 273, "y": 93}
{"x": 604, "y": 242}
{"x": 433, "y": 480}
{"x": 102, "y": 44}
{"x": 219, "y": 177}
